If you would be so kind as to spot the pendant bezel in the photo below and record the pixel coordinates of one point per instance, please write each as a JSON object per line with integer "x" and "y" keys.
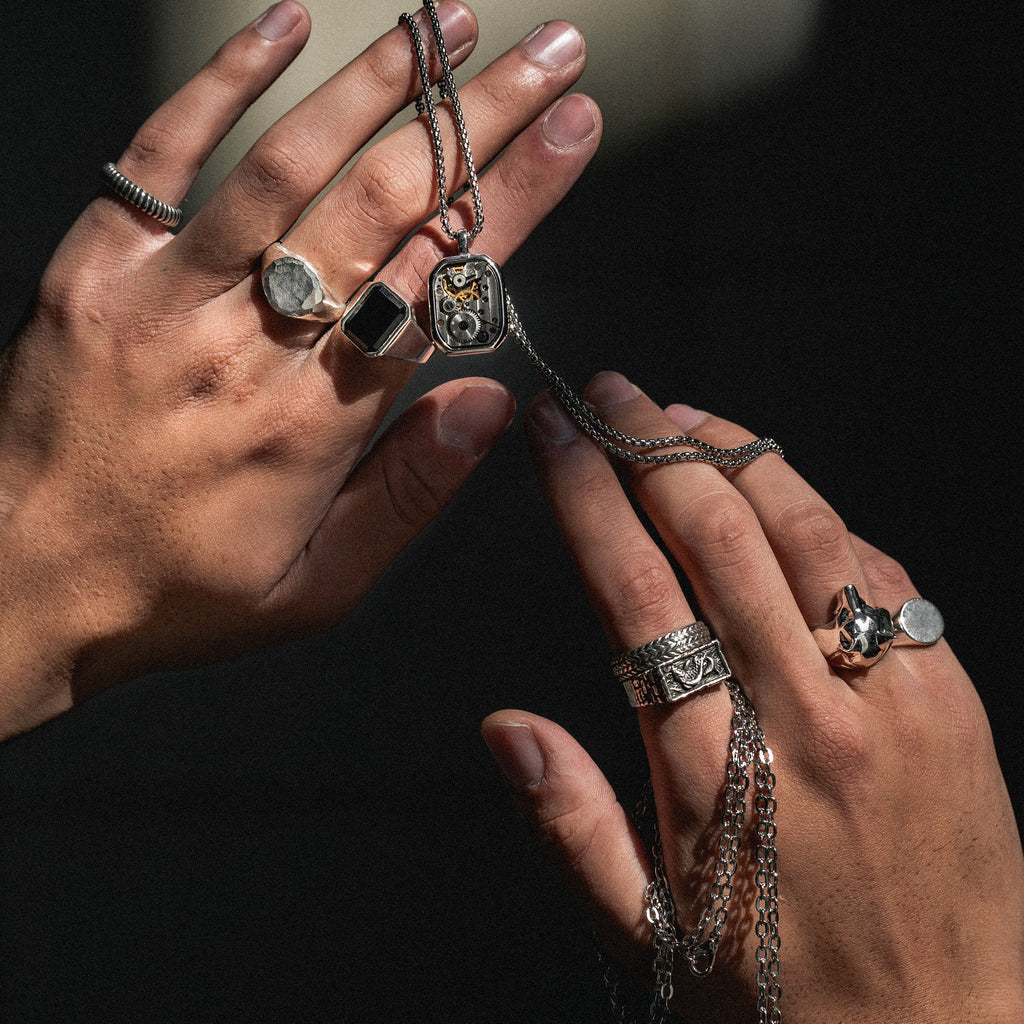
{"x": 453, "y": 314}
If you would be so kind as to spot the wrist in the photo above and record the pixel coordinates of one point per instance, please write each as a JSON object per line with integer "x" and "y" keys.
{"x": 50, "y": 613}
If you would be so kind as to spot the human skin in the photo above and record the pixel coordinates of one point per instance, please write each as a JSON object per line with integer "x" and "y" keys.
{"x": 901, "y": 879}
{"x": 183, "y": 471}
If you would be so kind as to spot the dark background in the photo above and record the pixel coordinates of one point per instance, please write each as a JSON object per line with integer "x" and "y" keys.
{"x": 317, "y": 833}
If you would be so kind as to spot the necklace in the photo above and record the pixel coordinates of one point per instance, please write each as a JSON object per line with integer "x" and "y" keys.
{"x": 470, "y": 311}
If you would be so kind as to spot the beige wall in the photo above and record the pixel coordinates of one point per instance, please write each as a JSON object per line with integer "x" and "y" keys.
{"x": 649, "y": 62}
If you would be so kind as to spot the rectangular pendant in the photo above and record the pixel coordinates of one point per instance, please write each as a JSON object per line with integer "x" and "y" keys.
{"x": 468, "y": 311}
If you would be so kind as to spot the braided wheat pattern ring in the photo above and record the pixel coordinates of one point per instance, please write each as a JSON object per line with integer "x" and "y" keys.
{"x": 671, "y": 667}
{"x": 140, "y": 198}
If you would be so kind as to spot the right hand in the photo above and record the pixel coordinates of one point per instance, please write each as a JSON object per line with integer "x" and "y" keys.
{"x": 900, "y": 871}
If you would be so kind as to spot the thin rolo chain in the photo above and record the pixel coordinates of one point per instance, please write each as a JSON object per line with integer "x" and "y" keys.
{"x": 425, "y": 102}
{"x": 614, "y": 442}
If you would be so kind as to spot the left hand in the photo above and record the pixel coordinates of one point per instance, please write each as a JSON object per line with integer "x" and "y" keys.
{"x": 184, "y": 473}
{"x": 901, "y": 878}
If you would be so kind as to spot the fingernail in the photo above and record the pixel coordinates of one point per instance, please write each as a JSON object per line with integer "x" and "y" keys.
{"x": 516, "y": 752}
{"x": 609, "y": 388}
{"x": 476, "y": 418}
{"x": 550, "y": 418}
{"x": 278, "y": 21}
{"x": 685, "y": 417}
{"x": 457, "y": 27}
{"x": 555, "y": 44}
{"x": 569, "y": 122}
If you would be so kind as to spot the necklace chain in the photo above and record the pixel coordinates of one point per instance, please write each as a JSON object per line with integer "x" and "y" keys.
{"x": 425, "y": 102}
{"x": 614, "y": 442}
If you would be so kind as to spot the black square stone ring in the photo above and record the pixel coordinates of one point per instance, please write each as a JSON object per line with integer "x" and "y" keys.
{"x": 379, "y": 322}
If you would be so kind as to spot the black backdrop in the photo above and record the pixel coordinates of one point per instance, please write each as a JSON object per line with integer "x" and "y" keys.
{"x": 317, "y": 833}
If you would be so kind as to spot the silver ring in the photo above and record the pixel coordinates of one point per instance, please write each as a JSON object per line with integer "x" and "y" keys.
{"x": 140, "y": 198}
{"x": 292, "y": 286}
{"x": 381, "y": 323}
{"x": 859, "y": 636}
{"x": 671, "y": 667}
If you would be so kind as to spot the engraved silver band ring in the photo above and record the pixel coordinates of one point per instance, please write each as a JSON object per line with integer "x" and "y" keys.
{"x": 142, "y": 200}
{"x": 671, "y": 667}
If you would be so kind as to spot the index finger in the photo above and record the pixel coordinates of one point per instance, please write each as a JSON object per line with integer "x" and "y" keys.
{"x": 635, "y": 593}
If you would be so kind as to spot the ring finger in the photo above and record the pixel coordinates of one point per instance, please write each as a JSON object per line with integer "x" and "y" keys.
{"x": 299, "y": 155}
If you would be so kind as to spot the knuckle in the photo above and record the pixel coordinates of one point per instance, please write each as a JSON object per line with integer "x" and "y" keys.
{"x": 569, "y": 833}
{"x": 884, "y": 573}
{"x": 232, "y": 67}
{"x": 210, "y": 376}
{"x": 418, "y": 259}
{"x": 388, "y": 188}
{"x": 969, "y": 728}
{"x": 837, "y": 752}
{"x": 813, "y": 528}
{"x": 157, "y": 138}
{"x": 646, "y": 597}
{"x": 726, "y": 529}
{"x": 388, "y": 71}
{"x": 521, "y": 181}
{"x": 274, "y": 170}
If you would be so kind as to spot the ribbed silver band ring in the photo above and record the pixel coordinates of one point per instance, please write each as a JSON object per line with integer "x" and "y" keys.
{"x": 140, "y": 198}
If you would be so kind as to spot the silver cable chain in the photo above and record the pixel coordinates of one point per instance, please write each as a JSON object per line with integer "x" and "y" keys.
{"x": 746, "y": 746}
{"x": 613, "y": 441}
{"x": 698, "y": 948}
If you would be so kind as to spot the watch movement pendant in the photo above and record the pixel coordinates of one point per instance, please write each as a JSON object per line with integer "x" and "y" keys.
{"x": 468, "y": 311}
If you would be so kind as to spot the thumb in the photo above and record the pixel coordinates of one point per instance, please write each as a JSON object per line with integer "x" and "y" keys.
{"x": 573, "y": 814}
{"x": 409, "y": 475}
